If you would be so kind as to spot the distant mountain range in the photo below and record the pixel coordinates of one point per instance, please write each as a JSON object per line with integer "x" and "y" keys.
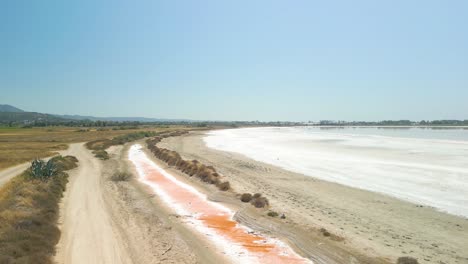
{"x": 10, "y": 113}
{"x": 121, "y": 119}
{"x": 9, "y": 108}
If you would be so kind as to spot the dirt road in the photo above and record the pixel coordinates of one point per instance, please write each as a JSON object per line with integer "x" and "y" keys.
{"x": 7, "y": 174}
{"x": 88, "y": 233}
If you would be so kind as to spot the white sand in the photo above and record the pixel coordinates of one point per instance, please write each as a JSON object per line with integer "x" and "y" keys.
{"x": 432, "y": 172}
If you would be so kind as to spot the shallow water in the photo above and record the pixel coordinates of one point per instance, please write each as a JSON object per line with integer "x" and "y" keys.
{"x": 423, "y": 166}
{"x": 210, "y": 219}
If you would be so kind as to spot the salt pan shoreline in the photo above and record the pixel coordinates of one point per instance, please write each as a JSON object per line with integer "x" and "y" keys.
{"x": 431, "y": 172}
{"x": 211, "y": 219}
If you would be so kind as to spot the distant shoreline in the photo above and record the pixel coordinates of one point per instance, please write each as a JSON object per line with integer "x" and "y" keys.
{"x": 384, "y": 126}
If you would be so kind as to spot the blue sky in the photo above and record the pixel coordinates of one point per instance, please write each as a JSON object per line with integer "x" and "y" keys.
{"x": 237, "y": 60}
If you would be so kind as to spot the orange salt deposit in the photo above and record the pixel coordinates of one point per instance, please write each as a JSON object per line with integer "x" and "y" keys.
{"x": 211, "y": 219}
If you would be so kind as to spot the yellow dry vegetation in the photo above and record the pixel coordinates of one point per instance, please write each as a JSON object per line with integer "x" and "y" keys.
{"x": 29, "y": 213}
{"x": 19, "y": 145}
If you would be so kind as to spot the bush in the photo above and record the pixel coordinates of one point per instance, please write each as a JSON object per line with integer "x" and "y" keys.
{"x": 246, "y": 197}
{"x": 325, "y": 232}
{"x": 101, "y": 154}
{"x": 211, "y": 179}
{"x": 224, "y": 186}
{"x": 260, "y": 202}
{"x": 65, "y": 163}
{"x": 407, "y": 260}
{"x": 257, "y": 195}
{"x": 121, "y": 176}
{"x": 272, "y": 214}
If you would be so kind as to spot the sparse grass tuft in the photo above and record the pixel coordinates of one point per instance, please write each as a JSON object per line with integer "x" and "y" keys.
{"x": 101, "y": 154}
{"x": 64, "y": 163}
{"x": 325, "y": 232}
{"x": 407, "y": 260}
{"x": 272, "y": 214}
{"x": 121, "y": 176}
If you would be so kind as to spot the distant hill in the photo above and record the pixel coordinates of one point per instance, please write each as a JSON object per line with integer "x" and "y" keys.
{"x": 122, "y": 119}
{"x": 13, "y": 115}
{"x": 9, "y": 108}
{"x": 28, "y": 118}
{"x": 9, "y": 113}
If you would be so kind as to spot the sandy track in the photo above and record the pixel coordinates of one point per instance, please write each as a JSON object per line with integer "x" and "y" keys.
{"x": 9, "y": 173}
{"x": 88, "y": 232}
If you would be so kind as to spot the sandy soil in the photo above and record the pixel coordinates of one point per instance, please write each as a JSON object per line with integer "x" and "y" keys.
{"x": 7, "y": 174}
{"x": 88, "y": 233}
{"x": 366, "y": 227}
{"x": 103, "y": 221}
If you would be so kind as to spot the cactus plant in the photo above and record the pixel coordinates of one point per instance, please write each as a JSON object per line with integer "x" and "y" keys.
{"x": 36, "y": 168}
{"x": 49, "y": 169}
{"x": 42, "y": 170}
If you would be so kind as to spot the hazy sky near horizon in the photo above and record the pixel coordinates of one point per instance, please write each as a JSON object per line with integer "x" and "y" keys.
{"x": 237, "y": 60}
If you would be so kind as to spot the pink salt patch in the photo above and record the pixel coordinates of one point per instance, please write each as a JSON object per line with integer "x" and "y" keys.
{"x": 211, "y": 219}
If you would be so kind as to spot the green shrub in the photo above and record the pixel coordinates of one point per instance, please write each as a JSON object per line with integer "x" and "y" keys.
{"x": 272, "y": 214}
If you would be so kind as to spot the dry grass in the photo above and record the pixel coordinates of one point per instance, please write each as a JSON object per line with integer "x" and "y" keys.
{"x": 28, "y": 215}
{"x": 120, "y": 176}
{"x": 19, "y": 145}
{"x": 259, "y": 201}
{"x": 246, "y": 197}
{"x": 101, "y": 154}
{"x": 224, "y": 186}
{"x": 325, "y": 232}
{"x": 205, "y": 173}
{"x": 272, "y": 213}
{"x": 407, "y": 260}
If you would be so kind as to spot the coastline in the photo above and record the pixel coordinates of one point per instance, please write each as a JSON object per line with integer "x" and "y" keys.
{"x": 368, "y": 226}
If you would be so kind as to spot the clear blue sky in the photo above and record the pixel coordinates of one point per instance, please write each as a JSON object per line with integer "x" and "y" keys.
{"x": 237, "y": 60}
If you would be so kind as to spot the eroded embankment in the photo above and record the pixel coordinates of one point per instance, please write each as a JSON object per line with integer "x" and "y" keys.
{"x": 210, "y": 219}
